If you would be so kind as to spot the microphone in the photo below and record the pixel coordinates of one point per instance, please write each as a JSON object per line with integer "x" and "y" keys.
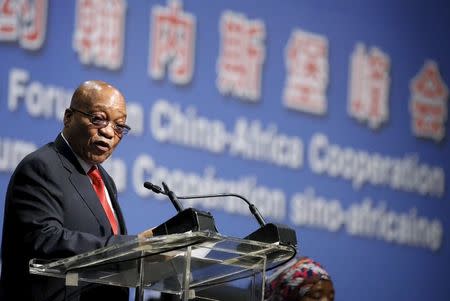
{"x": 270, "y": 233}
{"x": 152, "y": 187}
{"x": 251, "y": 206}
{"x": 186, "y": 219}
{"x": 172, "y": 197}
{"x": 176, "y": 203}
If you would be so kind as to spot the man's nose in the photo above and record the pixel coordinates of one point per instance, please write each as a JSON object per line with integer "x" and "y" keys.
{"x": 108, "y": 131}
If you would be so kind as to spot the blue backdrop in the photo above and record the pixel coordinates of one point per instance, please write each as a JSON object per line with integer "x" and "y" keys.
{"x": 366, "y": 191}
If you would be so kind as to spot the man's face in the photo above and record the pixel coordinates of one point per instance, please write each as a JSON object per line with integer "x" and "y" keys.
{"x": 92, "y": 143}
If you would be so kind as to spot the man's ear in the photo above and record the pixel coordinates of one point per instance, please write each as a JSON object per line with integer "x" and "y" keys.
{"x": 67, "y": 114}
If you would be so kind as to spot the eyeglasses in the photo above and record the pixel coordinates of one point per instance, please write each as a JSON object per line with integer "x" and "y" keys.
{"x": 100, "y": 122}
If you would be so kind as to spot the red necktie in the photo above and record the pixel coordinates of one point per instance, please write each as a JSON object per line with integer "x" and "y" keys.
{"x": 97, "y": 184}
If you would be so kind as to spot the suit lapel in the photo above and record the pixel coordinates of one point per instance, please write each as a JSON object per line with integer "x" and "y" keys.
{"x": 81, "y": 183}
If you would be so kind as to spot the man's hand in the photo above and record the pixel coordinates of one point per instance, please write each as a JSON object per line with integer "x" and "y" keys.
{"x": 146, "y": 234}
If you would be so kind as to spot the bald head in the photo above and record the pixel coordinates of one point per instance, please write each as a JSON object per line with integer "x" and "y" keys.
{"x": 88, "y": 91}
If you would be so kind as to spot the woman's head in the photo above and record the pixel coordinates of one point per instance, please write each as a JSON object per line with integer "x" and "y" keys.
{"x": 302, "y": 280}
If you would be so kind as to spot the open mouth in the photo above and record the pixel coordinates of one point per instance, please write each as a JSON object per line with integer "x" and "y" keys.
{"x": 101, "y": 146}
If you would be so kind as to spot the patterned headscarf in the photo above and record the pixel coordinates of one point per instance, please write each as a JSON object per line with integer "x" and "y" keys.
{"x": 293, "y": 281}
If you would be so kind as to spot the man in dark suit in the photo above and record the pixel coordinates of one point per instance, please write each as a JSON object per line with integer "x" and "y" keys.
{"x": 55, "y": 208}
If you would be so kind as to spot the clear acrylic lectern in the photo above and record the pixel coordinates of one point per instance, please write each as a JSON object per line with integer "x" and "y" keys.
{"x": 183, "y": 264}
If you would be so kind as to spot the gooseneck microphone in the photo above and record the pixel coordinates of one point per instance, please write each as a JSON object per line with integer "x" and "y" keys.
{"x": 269, "y": 233}
{"x": 176, "y": 203}
{"x": 251, "y": 206}
{"x": 172, "y": 197}
{"x": 154, "y": 188}
{"x": 186, "y": 219}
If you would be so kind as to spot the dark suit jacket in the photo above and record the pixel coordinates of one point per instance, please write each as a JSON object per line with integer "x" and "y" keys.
{"x": 51, "y": 212}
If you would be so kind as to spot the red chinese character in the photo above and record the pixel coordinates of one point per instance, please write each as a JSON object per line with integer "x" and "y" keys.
{"x": 307, "y": 72}
{"x": 172, "y": 43}
{"x": 99, "y": 32}
{"x": 369, "y": 86}
{"x": 428, "y": 104}
{"x": 24, "y": 21}
{"x": 242, "y": 54}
